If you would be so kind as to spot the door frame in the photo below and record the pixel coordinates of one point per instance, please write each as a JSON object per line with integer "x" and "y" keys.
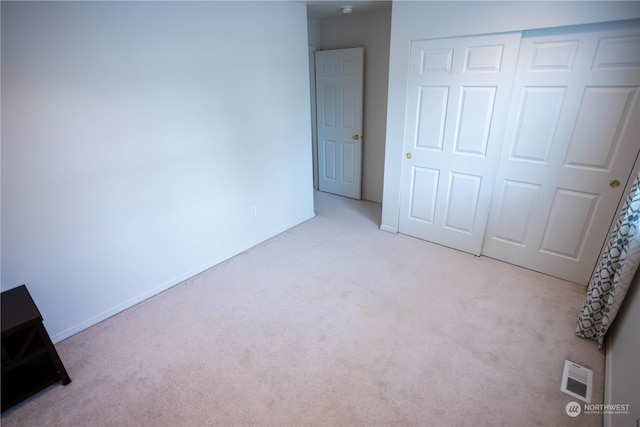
{"x": 314, "y": 118}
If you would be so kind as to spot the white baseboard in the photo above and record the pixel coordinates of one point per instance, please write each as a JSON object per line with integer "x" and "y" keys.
{"x": 389, "y": 229}
{"x": 170, "y": 283}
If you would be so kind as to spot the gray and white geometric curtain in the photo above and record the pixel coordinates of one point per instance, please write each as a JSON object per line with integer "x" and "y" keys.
{"x": 614, "y": 273}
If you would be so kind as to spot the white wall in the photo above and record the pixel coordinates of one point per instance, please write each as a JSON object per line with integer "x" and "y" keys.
{"x": 313, "y": 28}
{"x": 372, "y": 31}
{"x": 135, "y": 138}
{"x": 426, "y": 20}
{"x": 622, "y": 379}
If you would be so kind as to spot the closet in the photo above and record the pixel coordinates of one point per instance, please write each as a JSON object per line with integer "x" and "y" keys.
{"x": 519, "y": 145}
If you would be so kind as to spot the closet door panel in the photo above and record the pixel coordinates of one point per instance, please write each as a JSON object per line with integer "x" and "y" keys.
{"x": 571, "y": 140}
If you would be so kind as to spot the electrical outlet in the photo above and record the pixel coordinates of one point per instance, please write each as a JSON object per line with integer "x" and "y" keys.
{"x": 253, "y": 211}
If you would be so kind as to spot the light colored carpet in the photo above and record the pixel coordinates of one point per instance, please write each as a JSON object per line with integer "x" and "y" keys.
{"x": 332, "y": 323}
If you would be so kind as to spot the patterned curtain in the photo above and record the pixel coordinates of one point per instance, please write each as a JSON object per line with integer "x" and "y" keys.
{"x": 614, "y": 273}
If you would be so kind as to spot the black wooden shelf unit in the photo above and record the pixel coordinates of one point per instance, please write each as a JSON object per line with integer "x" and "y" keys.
{"x": 30, "y": 362}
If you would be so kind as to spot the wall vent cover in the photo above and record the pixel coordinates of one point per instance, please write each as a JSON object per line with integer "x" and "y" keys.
{"x": 577, "y": 381}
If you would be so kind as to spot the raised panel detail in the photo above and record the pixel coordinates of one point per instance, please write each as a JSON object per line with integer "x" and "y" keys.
{"x": 329, "y": 113}
{"x": 554, "y": 56}
{"x": 595, "y": 135}
{"x": 432, "y": 111}
{"x": 517, "y": 202}
{"x": 436, "y": 60}
{"x": 617, "y": 52}
{"x": 348, "y": 67}
{"x": 474, "y": 120}
{"x": 568, "y": 223}
{"x": 348, "y": 106}
{"x": 330, "y": 159}
{"x": 462, "y": 200}
{"x": 348, "y": 156}
{"x": 328, "y": 68}
{"x": 483, "y": 59}
{"x": 536, "y": 124}
{"x": 424, "y": 187}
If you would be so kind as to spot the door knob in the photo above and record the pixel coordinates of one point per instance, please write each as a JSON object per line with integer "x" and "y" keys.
{"x": 408, "y": 155}
{"x": 356, "y": 137}
{"x": 614, "y": 183}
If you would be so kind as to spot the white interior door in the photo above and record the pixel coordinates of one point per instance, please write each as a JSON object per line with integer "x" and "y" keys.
{"x": 457, "y": 99}
{"x": 339, "y": 88}
{"x": 572, "y": 136}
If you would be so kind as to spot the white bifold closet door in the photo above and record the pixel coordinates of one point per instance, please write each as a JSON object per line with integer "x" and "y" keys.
{"x": 571, "y": 141}
{"x": 519, "y": 148}
{"x": 457, "y": 101}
